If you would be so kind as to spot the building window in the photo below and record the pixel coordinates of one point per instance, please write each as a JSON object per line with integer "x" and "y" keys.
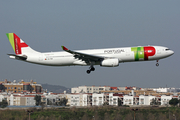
{"x": 14, "y": 87}
{"x": 11, "y": 87}
{"x": 18, "y": 88}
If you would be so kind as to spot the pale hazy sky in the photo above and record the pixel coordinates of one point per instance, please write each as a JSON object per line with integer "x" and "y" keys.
{"x": 79, "y": 24}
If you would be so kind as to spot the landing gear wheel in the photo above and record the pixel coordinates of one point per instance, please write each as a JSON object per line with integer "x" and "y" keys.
{"x": 88, "y": 71}
{"x": 92, "y": 69}
{"x": 157, "y": 64}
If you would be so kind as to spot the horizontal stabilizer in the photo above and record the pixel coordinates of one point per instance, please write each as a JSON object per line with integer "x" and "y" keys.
{"x": 22, "y": 57}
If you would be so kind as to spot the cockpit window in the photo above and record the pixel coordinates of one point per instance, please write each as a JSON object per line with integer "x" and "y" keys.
{"x": 167, "y": 49}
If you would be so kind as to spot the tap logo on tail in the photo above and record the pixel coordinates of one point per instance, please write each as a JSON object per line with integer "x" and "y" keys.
{"x": 16, "y": 43}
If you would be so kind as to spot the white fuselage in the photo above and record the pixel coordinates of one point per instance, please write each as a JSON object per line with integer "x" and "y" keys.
{"x": 125, "y": 54}
{"x": 109, "y": 57}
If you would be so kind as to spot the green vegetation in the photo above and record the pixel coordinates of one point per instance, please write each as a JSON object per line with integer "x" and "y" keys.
{"x": 4, "y": 103}
{"x": 119, "y": 102}
{"x": 174, "y": 101}
{"x": 155, "y": 102}
{"x": 63, "y": 102}
{"x": 38, "y": 99}
{"x": 94, "y": 113}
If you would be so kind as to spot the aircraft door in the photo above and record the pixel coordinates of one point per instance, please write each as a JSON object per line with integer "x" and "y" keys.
{"x": 158, "y": 51}
{"x": 40, "y": 57}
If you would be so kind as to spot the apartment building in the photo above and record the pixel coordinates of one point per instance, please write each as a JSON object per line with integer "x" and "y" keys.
{"x": 165, "y": 99}
{"x": 85, "y": 99}
{"x": 146, "y": 100}
{"x": 128, "y": 100}
{"x": 75, "y": 100}
{"x": 97, "y": 99}
{"x": 14, "y": 87}
{"x": 89, "y": 89}
{"x": 113, "y": 99}
{"x": 165, "y": 90}
{"x": 81, "y": 99}
{"x": 21, "y": 100}
{"x": 51, "y": 98}
{"x": 100, "y": 99}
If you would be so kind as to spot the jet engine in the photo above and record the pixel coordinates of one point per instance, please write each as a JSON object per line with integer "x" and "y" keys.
{"x": 110, "y": 62}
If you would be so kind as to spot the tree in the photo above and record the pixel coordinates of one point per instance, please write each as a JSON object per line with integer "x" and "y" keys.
{"x": 63, "y": 101}
{"x": 4, "y": 103}
{"x": 105, "y": 103}
{"x": 154, "y": 102}
{"x": 49, "y": 102}
{"x": 119, "y": 102}
{"x": 42, "y": 105}
{"x": 38, "y": 99}
{"x": 174, "y": 101}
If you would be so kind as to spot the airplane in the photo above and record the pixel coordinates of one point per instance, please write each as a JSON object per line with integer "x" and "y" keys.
{"x": 108, "y": 57}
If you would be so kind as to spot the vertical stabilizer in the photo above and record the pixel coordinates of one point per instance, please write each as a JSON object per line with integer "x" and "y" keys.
{"x": 18, "y": 45}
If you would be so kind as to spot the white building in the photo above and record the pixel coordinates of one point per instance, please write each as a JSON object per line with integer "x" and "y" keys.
{"x": 165, "y": 90}
{"x": 21, "y": 100}
{"x": 81, "y": 100}
{"x": 100, "y": 99}
{"x": 165, "y": 99}
{"x": 128, "y": 100}
{"x": 87, "y": 100}
{"x": 146, "y": 100}
{"x": 113, "y": 100}
{"x": 89, "y": 89}
{"x": 51, "y": 98}
{"x": 97, "y": 99}
{"x": 75, "y": 100}
{"x": 1, "y": 97}
{"x": 68, "y": 97}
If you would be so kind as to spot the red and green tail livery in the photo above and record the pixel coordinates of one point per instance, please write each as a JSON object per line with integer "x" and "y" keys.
{"x": 16, "y": 43}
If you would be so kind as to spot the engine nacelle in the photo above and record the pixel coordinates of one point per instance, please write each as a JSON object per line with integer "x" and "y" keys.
{"x": 110, "y": 62}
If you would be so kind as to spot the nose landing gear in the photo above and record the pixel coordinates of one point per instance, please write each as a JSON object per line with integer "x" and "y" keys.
{"x": 91, "y": 68}
{"x": 157, "y": 64}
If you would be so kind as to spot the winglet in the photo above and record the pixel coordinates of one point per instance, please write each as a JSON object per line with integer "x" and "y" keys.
{"x": 64, "y": 48}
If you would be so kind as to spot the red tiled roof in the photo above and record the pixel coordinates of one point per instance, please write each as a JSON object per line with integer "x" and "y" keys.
{"x": 114, "y": 88}
{"x": 120, "y": 95}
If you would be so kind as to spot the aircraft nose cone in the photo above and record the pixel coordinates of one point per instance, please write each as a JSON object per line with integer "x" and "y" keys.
{"x": 172, "y": 52}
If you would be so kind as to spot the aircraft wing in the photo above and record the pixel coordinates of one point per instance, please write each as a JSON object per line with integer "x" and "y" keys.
{"x": 83, "y": 56}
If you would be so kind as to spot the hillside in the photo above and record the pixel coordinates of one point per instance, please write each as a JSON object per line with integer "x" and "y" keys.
{"x": 55, "y": 88}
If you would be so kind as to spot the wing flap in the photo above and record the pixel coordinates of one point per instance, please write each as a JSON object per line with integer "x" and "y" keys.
{"x": 83, "y": 56}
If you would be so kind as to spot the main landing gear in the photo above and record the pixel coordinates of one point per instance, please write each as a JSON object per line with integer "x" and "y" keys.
{"x": 91, "y": 68}
{"x": 157, "y": 64}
